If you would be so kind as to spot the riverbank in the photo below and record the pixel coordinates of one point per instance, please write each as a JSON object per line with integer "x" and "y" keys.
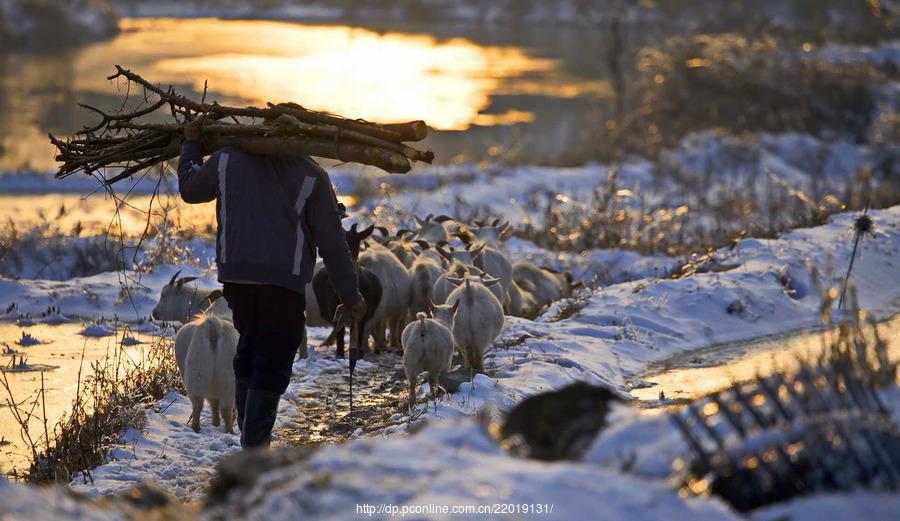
{"x": 54, "y": 25}
{"x": 615, "y": 333}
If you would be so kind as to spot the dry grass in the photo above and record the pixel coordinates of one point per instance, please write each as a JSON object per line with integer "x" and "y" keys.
{"x": 856, "y": 343}
{"x": 742, "y": 84}
{"x": 105, "y": 405}
{"x": 704, "y": 221}
{"x": 46, "y": 250}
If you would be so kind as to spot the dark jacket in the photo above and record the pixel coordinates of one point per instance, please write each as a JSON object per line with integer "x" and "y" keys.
{"x": 273, "y": 213}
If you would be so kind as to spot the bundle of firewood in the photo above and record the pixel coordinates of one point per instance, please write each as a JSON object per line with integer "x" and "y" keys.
{"x": 123, "y": 142}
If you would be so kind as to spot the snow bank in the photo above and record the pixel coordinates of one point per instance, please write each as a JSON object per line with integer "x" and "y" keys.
{"x": 706, "y": 168}
{"x": 621, "y": 330}
{"x": 627, "y": 326}
{"x": 454, "y": 462}
{"x": 125, "y": 295}
{"x": 167, "y": 451}
{"x": 22, "y": 182}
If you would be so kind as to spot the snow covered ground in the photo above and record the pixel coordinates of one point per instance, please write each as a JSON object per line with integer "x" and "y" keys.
{"x": 621, "y": 329}
{"x": 637, "y": 318}
{"x": 690, "y": 183}
{"x": 624, "y": 327}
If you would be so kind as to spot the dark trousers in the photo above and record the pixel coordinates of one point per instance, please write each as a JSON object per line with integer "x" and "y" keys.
{"x": 271, "y": 324}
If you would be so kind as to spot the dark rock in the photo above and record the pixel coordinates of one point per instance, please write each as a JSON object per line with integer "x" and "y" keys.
{"x": 452, "y": 380}
{"x": 241, "y": 470}
{"x": 736, "y": 307}
{"x": 147, "y": 496}
{"x": 558, "y": 424}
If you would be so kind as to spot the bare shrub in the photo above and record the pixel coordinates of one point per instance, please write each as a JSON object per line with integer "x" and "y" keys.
{"x": 729, "y": 81}
{"x": 105, "y": 405}
{"x": 46, "y": 251}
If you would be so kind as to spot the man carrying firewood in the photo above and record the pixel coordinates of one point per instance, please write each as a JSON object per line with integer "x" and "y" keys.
{"x": 273, "y": 213}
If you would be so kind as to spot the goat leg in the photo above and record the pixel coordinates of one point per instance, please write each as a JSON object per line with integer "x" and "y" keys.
{"x": 396, "y": 327}
{"x": 412, "y": 395}
{"x": 379, "y": 335}
{"x": 214, "y": 405}
{"x": 339, "y": 341}
{"x": 228, "y": 418}
{"x": 197, "y": 406}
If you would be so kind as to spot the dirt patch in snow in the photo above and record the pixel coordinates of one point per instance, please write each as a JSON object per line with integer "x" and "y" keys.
{"x": 323, "y": 414}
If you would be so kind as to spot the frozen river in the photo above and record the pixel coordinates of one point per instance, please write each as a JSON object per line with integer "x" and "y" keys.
{"x": 45, "y": 365}
{"x": 697, "y": 373}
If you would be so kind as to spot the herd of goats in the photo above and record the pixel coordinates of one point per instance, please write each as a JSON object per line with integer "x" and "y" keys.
{"x": 442, "y": 288}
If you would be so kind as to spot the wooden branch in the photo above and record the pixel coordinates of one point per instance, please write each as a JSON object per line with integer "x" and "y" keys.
{"x": 121, "y": 140}
{"x": 397, "y": 132}
{"x": 284, "y": 126}
{"x": 107, "y": 118}
{"x": 383, "y": 159}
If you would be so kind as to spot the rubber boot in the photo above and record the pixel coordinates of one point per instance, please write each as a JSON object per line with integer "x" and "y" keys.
{"x": 240, "y": 401}
{"x": 259, "y": 418}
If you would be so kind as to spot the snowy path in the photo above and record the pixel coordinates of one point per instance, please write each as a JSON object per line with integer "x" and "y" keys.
{"x": 313, "y": 411}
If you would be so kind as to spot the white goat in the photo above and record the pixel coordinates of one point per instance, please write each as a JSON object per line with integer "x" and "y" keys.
{"x": 393, "y": 310}
{"x": 423, "y": 273}
{"x": 458, "y": 269}
{"x": 220, "y": 307}
{"x": 488, "y": 259}
{"x": 546, "y": 286}
{"x": 428, "y": 347}
{"x": 204, "y": 351}
{"x": 521, "y": 301}
{"x": 432, "y": 229}
{"x": 431, "y": 253}
{"x": 399, "y": 244}
{"x": 493, "y": 234}
{"x": 478, "y": 320}
{"x": 178, "y": 301}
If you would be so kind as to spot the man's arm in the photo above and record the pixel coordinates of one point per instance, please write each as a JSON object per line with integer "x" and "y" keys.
{"x": 197, "y": 181}
{"x": 328, "y": 235}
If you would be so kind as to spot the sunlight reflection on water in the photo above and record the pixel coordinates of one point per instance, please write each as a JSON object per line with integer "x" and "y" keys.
{"x": 696, "y": 374}
{"x": 77, "y": 215}
{"x": 352, "y": 71}
{"x": 356, "y": 72}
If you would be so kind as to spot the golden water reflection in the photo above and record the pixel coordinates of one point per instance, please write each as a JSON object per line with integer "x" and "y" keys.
{"x": 693, "y": 375}
{"x": 351, "y": 71}
{"x": 73, "y": 214}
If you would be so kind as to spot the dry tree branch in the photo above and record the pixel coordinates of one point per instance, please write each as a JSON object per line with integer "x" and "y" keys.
{"x": 120, "y": 140}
